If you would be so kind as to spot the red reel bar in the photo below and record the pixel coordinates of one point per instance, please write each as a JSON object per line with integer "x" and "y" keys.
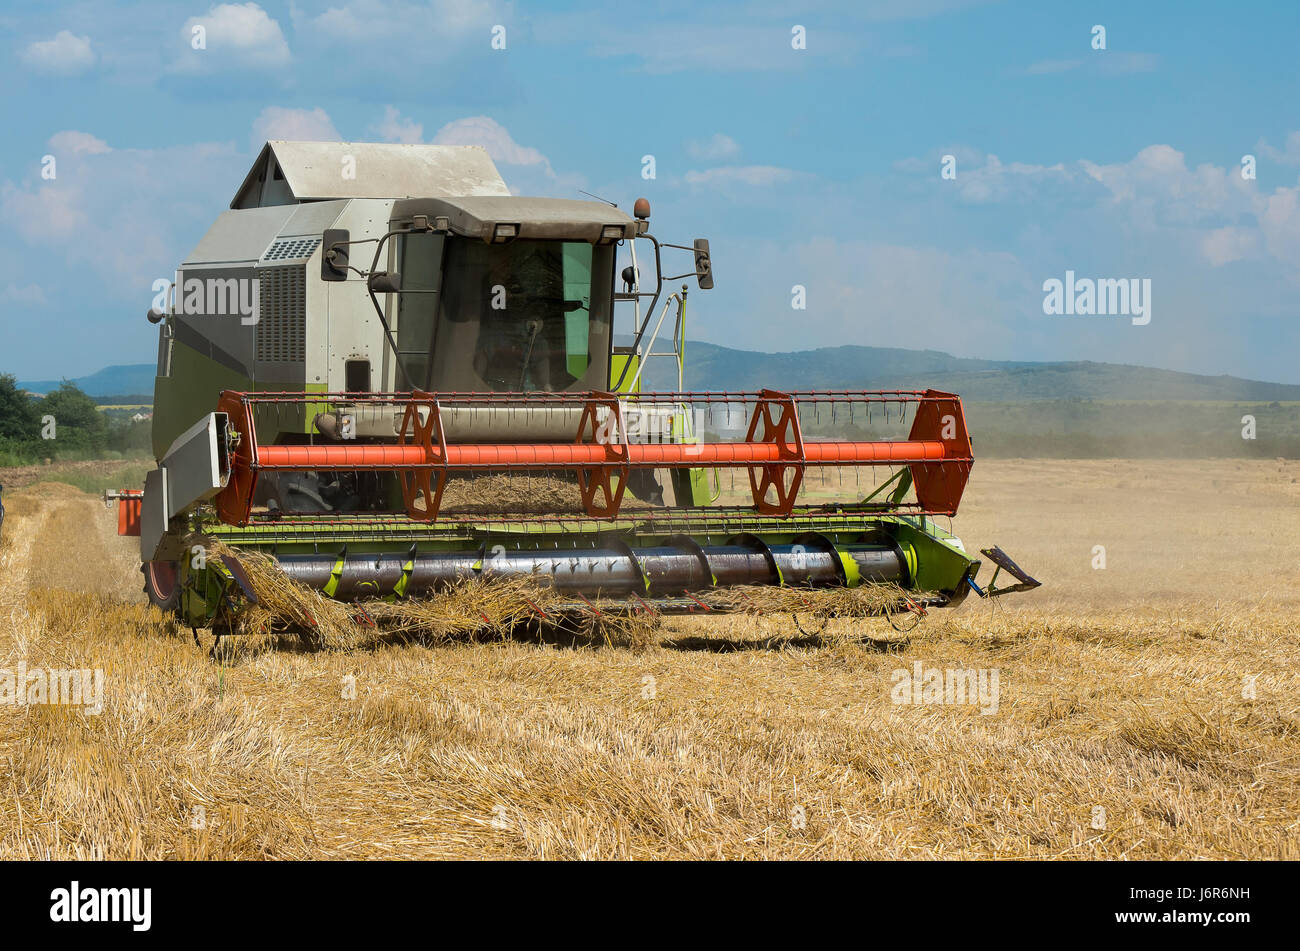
{"x": 938, "y": 451}
{"x": 576, "y": 456}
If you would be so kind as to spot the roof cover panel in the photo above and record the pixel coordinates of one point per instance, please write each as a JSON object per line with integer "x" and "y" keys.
{"x": 316, "y": 170}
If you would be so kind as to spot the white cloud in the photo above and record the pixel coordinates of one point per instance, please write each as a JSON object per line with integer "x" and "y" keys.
{"x": 981, "y": 178}
{"x": 1279, "y": 224}
{"x": 1224, "y": 260}
{"x": 461, "y": 16}
{"x": 751, "y": 38}
{"x": 394, "y": 128}
{"x": 1049, "y": 66}
{"x": 1120, "y": 62}
{"x": 713, "y": 149}
{"x": 78, "y": 142}
{"x": 384, "y": 19}
{"x": 65, "y": 55}
{"x": 1101, "y": 62}
{"x": 931, "y": 164}
{"x": 1159, "y": 189}
{"x": 237, "y": 36}
{"x": 487, "y": 132}
{"x": 47, "y": 214}
{"x": 303, "y": 125}
{"x": 1208, "y": 210}
{"x": 1155, "y": 186}
{"x": 994, "y": 181}
{"x": 118, "y": 217}
{"x": 353, "y": 21}
{"x": 115, "y": 221}
{"x": 1224, "y": 245}
{"x": 674, "y": 46}
{"x": 856, "y": 291}
{"x": 1289, "y": 154}
{"x": 529, "y": 172}
{"x": 911, "y": 9}
{"x": 753, "y": 175}
{"x": 26, "y": 294}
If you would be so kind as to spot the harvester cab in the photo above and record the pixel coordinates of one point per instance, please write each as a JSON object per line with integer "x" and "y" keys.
{"x": 390, "y": 375}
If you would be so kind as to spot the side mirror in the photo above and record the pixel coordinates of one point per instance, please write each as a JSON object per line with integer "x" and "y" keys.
{"x": 154, "y": 316}
{"x": 385, "y": 282}
{"x": 334, "y": 255}
{"x": 703, "y": 266}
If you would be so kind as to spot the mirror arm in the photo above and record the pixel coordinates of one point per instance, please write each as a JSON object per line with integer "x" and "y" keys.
{"x": 326, "y": 251}
{"x": 697, "y": 273}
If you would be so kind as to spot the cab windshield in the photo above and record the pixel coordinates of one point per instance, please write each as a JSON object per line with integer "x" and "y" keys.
{"x": 524, "y": 316}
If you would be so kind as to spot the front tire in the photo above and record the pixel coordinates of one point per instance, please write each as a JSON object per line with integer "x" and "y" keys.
{"x": 162, "y": 585}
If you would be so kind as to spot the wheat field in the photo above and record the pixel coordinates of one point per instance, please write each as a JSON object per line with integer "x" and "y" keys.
{"x": 1146, "y": 709}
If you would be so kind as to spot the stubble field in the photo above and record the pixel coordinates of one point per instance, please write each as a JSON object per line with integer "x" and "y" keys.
{"x": 1147, "y": 709}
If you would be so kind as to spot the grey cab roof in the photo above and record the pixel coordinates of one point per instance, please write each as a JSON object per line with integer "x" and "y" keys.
{"x": 287, "y": 173}
{"x": 546, "y": 218}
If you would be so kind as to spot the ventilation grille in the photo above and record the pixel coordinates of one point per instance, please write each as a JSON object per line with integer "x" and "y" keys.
{"x": 282, "y": 324}
{"x": 290, "y": 249}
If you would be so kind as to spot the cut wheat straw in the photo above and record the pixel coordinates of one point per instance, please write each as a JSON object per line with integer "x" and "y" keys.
{"x": 494, "y": 607}
{"x": 866, "y": 600}
{"x": 1130, "y": 690}
{"x": 468, "y": 608}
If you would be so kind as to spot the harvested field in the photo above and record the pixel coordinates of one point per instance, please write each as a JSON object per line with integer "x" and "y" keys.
{"x": 1147, "y": 709}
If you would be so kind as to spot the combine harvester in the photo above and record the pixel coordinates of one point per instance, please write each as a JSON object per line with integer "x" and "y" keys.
{"x": 340, "y": 356}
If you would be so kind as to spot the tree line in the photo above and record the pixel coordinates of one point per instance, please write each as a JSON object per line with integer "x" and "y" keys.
{"x": 63, "y": 424}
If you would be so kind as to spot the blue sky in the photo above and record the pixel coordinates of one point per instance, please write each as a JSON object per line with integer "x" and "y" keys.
{"x": 817, "y": 167}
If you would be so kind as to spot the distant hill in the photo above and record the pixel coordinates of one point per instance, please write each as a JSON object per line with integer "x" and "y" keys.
{"x": 110, "y": 381}
{"x": 710, "y": 367}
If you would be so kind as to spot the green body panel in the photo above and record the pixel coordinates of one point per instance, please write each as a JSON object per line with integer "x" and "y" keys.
{"x": 185, "y": 397}
{"x": 182, "y": 399}
{"x": 302, "y": 422}
{"x": 616, "y": 363}
{"x": 702, "y": 493}
{"x": 940, "y": 564}
{"x": 691, "y": 487}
